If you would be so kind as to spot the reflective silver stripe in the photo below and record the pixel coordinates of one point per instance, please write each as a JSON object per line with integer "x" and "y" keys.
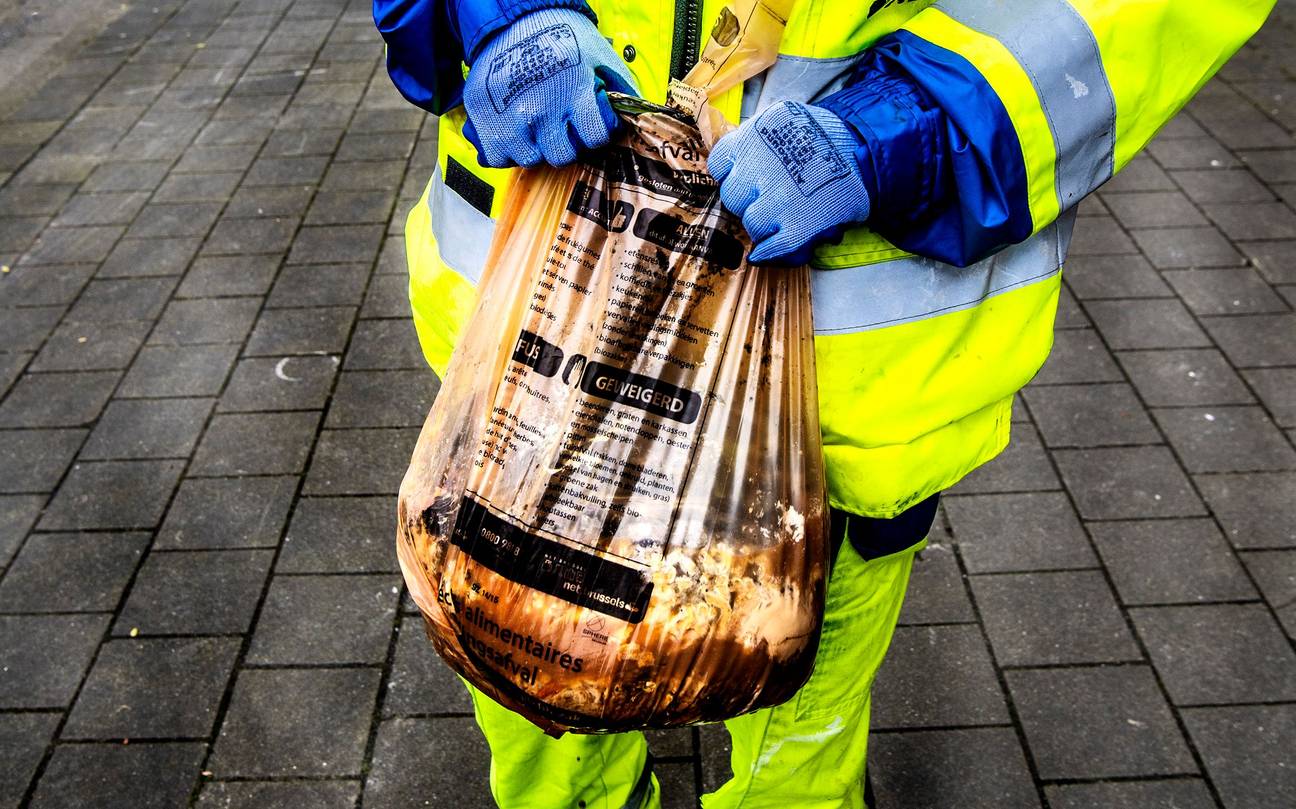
{"x": 796, "y": 78}
{"x": 463, "y": 233}
{"x": 904, "y": 290}
{"x": 1057, "y": 49}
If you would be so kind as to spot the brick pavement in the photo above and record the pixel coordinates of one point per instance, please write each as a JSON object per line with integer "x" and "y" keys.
{"x": 210, "y": 386}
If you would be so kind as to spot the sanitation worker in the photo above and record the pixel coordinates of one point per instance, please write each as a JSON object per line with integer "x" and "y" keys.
{"x": 965, "y": 133}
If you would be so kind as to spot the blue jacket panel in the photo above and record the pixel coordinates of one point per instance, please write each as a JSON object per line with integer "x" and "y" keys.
{"x": 950, "y": 181}
{"x": 429, "y": 40}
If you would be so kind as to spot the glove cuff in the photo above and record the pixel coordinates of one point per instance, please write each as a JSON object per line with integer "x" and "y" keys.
{"x": 479, "y": 23}
{"x": 847, "y": 141}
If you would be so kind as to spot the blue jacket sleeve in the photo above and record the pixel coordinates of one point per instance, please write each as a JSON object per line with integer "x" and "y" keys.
{"x": 938, "y": 152}
{"x": 428, "y": 41}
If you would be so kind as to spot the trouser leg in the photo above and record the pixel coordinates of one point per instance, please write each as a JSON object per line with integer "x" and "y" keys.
{"x": 530, "y": 770}
{"x": 810, "y": 752}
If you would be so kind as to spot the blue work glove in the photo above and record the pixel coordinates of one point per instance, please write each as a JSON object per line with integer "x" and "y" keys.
{"x": 536, "y": 91}
{"x": 790, "y": 173}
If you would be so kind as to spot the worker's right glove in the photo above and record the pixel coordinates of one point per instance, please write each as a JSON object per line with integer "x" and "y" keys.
{"x": 790, "y": 174}
{"x": 536, "y": 91}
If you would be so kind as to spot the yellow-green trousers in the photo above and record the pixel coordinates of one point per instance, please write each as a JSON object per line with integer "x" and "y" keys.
{"x": 808, "y": 753}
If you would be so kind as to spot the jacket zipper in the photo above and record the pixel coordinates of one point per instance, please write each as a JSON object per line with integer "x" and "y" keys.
{"x": 684, "y": 47}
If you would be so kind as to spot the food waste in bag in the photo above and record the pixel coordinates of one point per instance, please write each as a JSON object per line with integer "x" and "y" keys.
{"x": 615, "y": 516}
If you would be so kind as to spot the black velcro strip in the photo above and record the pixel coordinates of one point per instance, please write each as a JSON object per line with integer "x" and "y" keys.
{"x": 476, "y": 191}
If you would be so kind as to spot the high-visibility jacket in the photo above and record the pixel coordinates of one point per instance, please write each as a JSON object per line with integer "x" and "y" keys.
{"x": 983, "y": 124}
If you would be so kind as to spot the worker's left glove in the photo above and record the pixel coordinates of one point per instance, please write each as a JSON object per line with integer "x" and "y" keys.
{"x": 537, "y": 91}
{"x": 791, "y": 174}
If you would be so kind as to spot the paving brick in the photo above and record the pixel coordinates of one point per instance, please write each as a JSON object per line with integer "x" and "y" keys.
{"x": 1146, "y": 324}
{"x": 178, "y": 371}
{"x": 420, "y": 683}
{"x": 1257, "y": 510}
{"x": 183, "y": 219}
{"x": 1218, "y": 653}
{"x": 11, "y": 365}
{"x": 280, "y": 383}
{"x": 78, "y": 346}
{"x": 1276, "y": 388}
{"x": 23, "y": 738}
{"x": 286, "y": 201}
{"x": 1247, "y": 753}
{"x": 1255, "y": 340}
{"x": 299, "y": 723}
{"x": 1188, "y": 793}
{"x": 1098, "y": 723}
{"x": 119, "y": 776}
{"x": 1100, "y": 236}
{"x": 192, "y": 322}
{"x": 73, "y": 245}
{"x": 1048, "y": 618}
{"x": 1184, "y": 377}
{"x": 112, "y": 208}
{"x": 44, "y": 285}
{"x": 280, "y": 795}
{"x": 45, "y": 657}
{"x": 1170, "y": 561}
{"x": 1276, "y": 261}
{"x": 298, "y": 624}
{"x": 1261, "y": 220}
{"x": 1015, "y": 532}
{"x": 26, "y": 329}
{"x": 1226, "y": 439}
{"x": 937, "y": 594}
{"x": 350, "y": 207}
{"x": 155, "y": 428}
{"x": 385, "y": 345}
{"x": 207, "y": 159}
{"x": 937, "y": 677}
{"x": 33, "y": 200}
{"x": 300, "y": 142}
{"x": 1090, "y": 415}
{"x": 17, "y": 514}
{"x": 200, "y": 592}
{"x": 1191, "y": 153}
{"x": 318, "y": 330}
{"x": 1121, "y": 276}
{"x": 1157, "y": 209}
{"x": 382, "y": 399}
{"x": 360, "y": 461}
{"x": 327, "y": 285}
{"x": 984, "y": 767}
{"x": 35, "y": 460}
{"x": 114, "y": 494}
{"x": 210, "y": 187}
{"x": 1210, "y": 185}
{"x": 113, "y": 301}
{"x": 57, "y": 400}
{"x": 341, "y": 534}
{"x": 245, "y": 237}
{"x": 456, "y": 773}
{"x": 285, "y": 171}
{"x": 1275, "y": 573}
{"x": 71, "y": 572}
{"x": 1225, "y": 292}
{"x": 1127, "y": 482}
{"x": 1077, "y": 356}
{"x": 259, "y": 444}
{"x": 1187, "y": 247}
{"x": 222, "y": 276}
{"x": 388, "y": 296}
{"x": 153, "y": 688}
{"x": 145, "y": 257}
{"x": 336, "y": 244}
{"x": 229, "y": 513}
